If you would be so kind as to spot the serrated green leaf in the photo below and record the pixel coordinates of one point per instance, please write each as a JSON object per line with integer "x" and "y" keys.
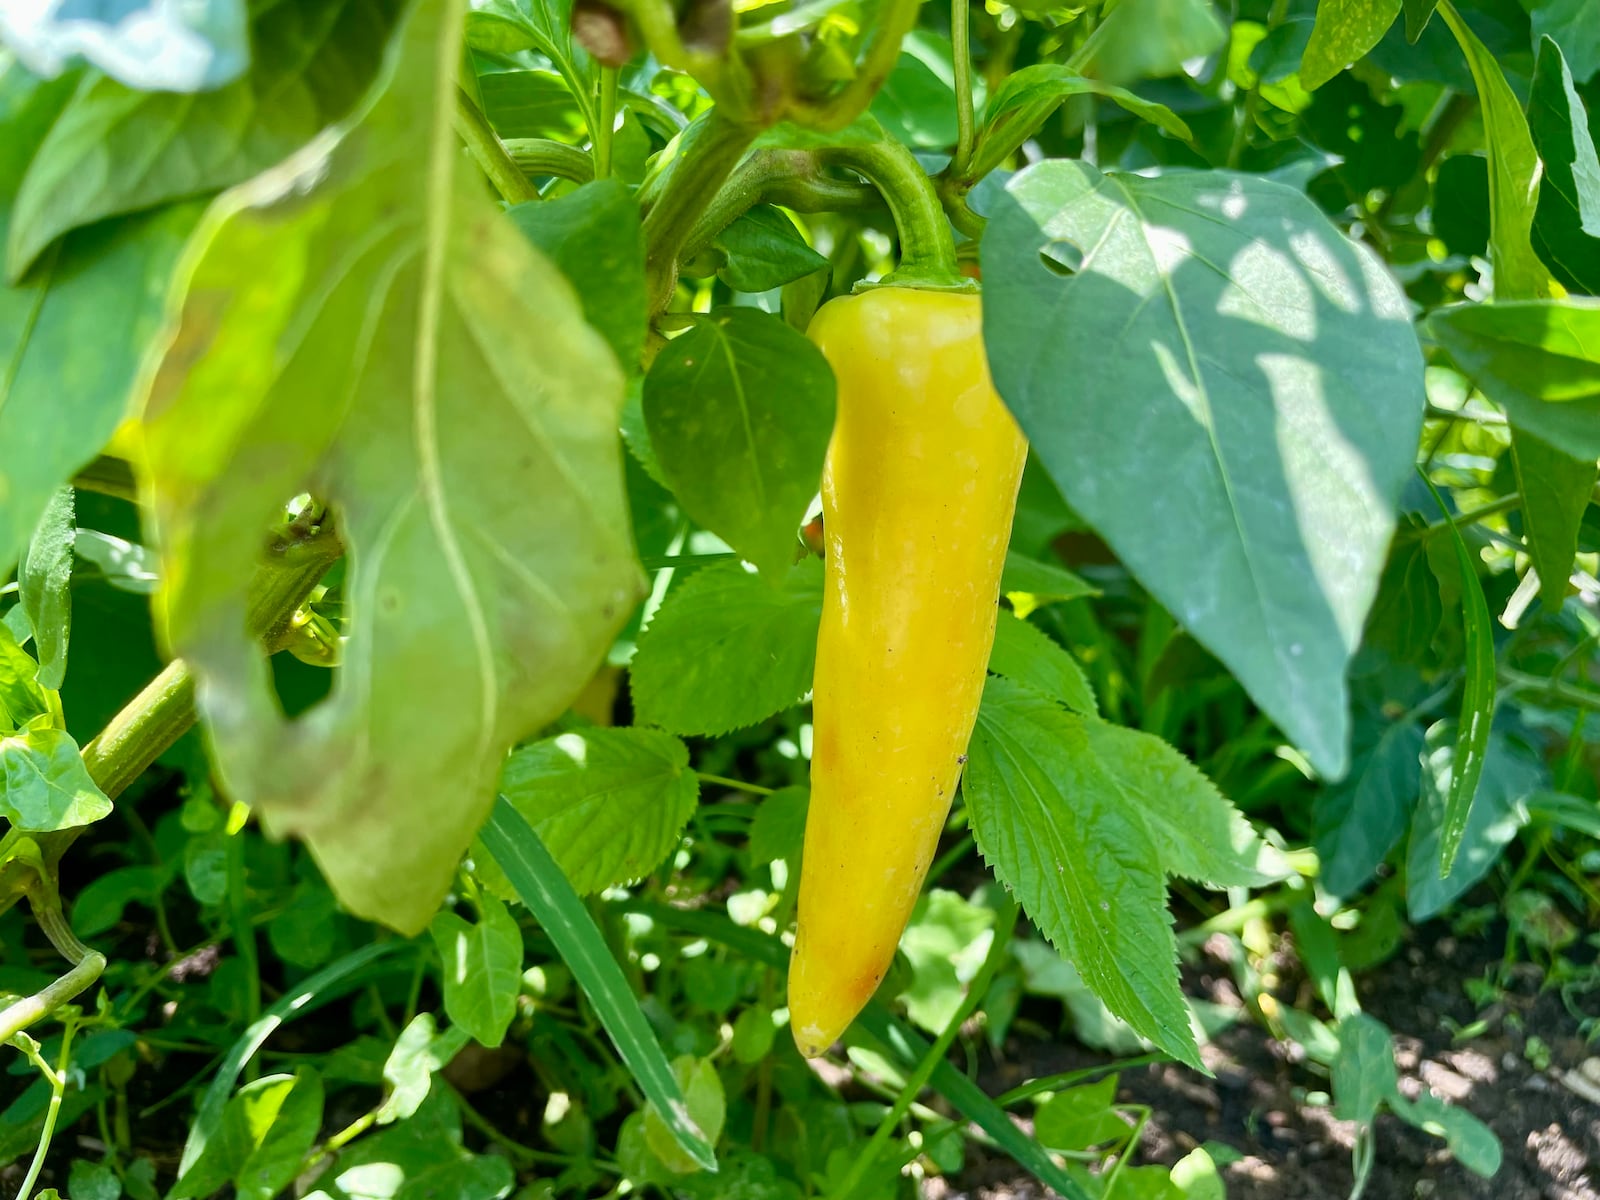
{"x": 267, "y": 1128}
{"x": 313, "y": 61}
{"x": 727, "y": 649}
{"x": 1357, "y": 821}
{"x": 1344, "y": 32}
{"x": 1253, "y": 488}
{"x": 1056, "y": 832}
{"x": 778, "y": 830}
{"x": 593, "y": 235}
{"x": 740, "y": 410}
{"x": 764, "y": 251}
{"x": 1042, "y": 582}
{"x": 482, "y": 969}
{"x": 1510, "y": 775}
{"x": 44, "y": 586}
{"x": 1566, "y": 227}
{"x": 47, "y": 787}
{"x": 366, "y": 310}
{"x": 1029, "y": 655}
{"x": 608, "y": 804}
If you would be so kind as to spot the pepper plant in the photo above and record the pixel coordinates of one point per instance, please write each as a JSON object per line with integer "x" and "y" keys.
{"x": 414, "y": 399}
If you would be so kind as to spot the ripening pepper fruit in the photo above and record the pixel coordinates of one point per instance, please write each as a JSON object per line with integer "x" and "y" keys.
{"x": 917, "y": 498}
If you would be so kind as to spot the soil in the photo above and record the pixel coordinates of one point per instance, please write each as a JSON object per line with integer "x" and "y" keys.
{"x": 1264, "y": 1098}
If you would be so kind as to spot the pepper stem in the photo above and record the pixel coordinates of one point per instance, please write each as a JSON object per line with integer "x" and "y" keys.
{"x": 927, "y": 247}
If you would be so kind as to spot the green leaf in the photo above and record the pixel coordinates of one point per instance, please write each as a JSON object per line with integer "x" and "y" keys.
{"x": 1027, "y": 98}
{"x": 740, "y": 410}
{"x": 22, "y": 699}
{"x": 1040, "y": 582}
{"x": 1472, "y": 1142}
{"x": 1566, "y": 226}
{"x": 779, "y": 827}
{"x": 47, "y": 787}
{"x": 945, "y": 942}
{"x": 1537, "y": 359}
{"x": 529, "y": 103}
{"x": 593, "y": 235}
{"x": 1418, "y": 13}
{"x": 1050, "y": 819}
{"x": 1252, "y": 487}
{"x": 44, "y": 580}
{"x": 267, "y": 1128}
{"x": 765, "y": 251}
{"x": 419, "y": 1159}
{"x": 1570, "y": 24}
{"x": 1197, "y": 1178}
{"x": 1080, "y": 1117}
{"x": 608, "y": 804}
{"x": 510, "y": 26}
{"x": 708, "y": 1108}
{"x": 367, "y": 311}
{"x": 1513, "y": 172}
{"x": 190, "y": 47}
{"x": 917, "y": 103}
{"x": 542, "y": 886}
{"x": 1357, "y": 821}
{"x": 1510, "y": 775}
{"x": 100, "y": 903}
{"x": 727, "y": 649}
{"x": 1147, "y": 39}
{"x": 1556, "y": 489}
{"x": 1477, "y": 700}
{"x": 1344, "y": 32}
{"x": 142, "y": 149}
{"x": 420, "y": 1052}
{"x": 1029, "y": 655}
{"x": 1364, "y": 1078}
{"x": 482, "y": 969}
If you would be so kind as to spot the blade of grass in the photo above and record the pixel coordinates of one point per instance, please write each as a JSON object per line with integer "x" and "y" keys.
{"x": 1477, "y": 698}
{"x": 512, "y": 843}
{"x": 208, "y": 1120}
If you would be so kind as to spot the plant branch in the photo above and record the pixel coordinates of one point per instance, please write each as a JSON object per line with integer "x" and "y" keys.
{"x": 541, "y": 156}
{"x": 606, "y": 123}
{"x": 896, "y": 18}
{"x": 927, "y": 248}
{"x": 490, "y": 152}
{"x": 966, "y": 124}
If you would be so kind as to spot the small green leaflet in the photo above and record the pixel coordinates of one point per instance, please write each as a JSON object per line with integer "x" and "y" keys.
{"x": 1477, "y": 699}
{"x": 764, "y": 250}
{"x": 419, "y": 1053}
{"x": 1027, "y": 654}
{"x": 47, "y": 787}
{"x": 481, "y": 969}
{"x": 22, "y": 699}
{"x": 267, "y": 1129}
{"x": 608, "y": 804}
{"x": 539, "y": 882}
{"x": 44, "y": 579}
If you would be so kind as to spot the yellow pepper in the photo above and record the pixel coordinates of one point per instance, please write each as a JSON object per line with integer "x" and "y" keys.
{"x": 918, "y": 494}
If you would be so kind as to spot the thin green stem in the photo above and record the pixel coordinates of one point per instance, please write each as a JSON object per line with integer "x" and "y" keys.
{"x": 1555, "y": 689}
{"x": 692, "y": 171}
{"x": 966, "y": 123}
{"x": 58, "y": 1089}
{"x": 1056, "y": 1083}
{"x": 35, "y": 1008}
{"x": 490, "y": 153}
{"x": 927, "y": 249}
{"x": 896, "y": 18}
{"x": 738, "y": 785}
{"x": 1482, "y": 513}
{"x": 1005, "y": 922}
{"x": 605, "y": 123}
{"x": 541, "y": 156}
